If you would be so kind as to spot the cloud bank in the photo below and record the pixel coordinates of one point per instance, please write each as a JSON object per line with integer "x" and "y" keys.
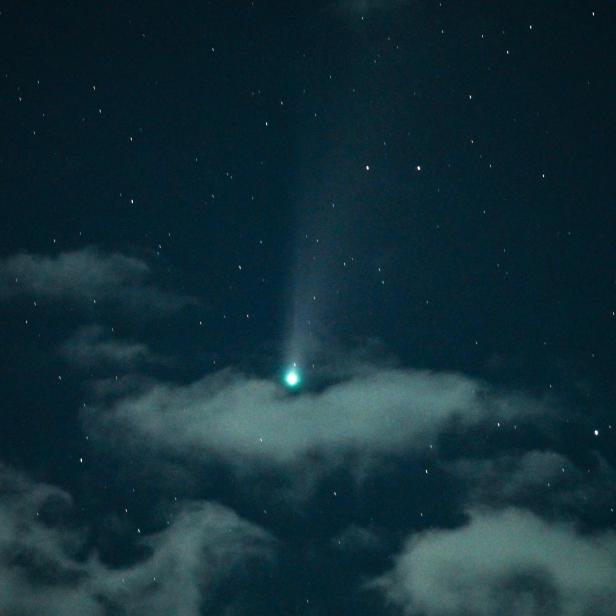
{"x": 245, "y": 420}
{"x": 509, "y": 562}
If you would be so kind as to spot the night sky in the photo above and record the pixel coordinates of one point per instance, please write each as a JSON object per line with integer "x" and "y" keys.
{"x": 308, "y": 308}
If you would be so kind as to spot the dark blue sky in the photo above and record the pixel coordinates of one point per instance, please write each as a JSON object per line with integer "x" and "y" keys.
{"x": 414, "y": 201}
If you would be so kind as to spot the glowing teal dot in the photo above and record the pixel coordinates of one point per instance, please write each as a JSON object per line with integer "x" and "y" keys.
{"x": 292, "y": 378}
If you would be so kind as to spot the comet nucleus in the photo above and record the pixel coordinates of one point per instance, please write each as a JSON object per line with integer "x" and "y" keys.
{"x": 292, "y": 378}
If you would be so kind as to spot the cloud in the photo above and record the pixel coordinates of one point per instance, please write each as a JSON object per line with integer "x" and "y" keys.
{"x": 509, "y": 562}
{"x": 43, "y": 569}
{"x": 90, "y": 346}
{"x": 87, "y": 276}
{"x": 544, "y": 481}
{"x": 248, "y": 421}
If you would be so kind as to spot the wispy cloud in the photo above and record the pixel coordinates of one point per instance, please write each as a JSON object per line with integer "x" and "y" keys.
{"x": 42, "y": 569}
{"x": 88, "y": 276}
{"x": 543, "y": 481}
{"x": 93, "y": 346}
{"x": 363, "y": 7}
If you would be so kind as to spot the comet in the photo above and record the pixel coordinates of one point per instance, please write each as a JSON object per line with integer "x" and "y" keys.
{"x": 292, "y": 377}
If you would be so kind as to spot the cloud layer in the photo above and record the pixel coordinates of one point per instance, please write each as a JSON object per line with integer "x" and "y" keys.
{"x": 302, "y": 463}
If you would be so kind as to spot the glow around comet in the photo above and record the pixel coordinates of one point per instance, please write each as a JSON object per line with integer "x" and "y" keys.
{"x": 292, "y": 378}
